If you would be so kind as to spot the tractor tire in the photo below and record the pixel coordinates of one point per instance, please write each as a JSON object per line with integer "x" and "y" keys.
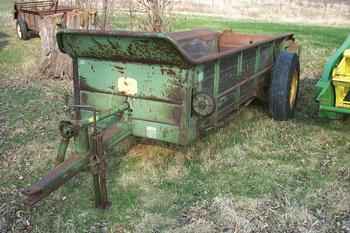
{"x": 284, "y": 86}
{"x": 22, "y": 30}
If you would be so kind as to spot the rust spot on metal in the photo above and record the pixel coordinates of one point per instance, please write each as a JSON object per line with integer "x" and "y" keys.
{"x": 120, "y": 69}
{"x": 183, "y": 136}
{"x": 156, "y": 98}
{"x": 176, "y": 115}
{"x": 85, "y": 87}
{"x": 176, "y": 94}
{"x": 123, "y": 93}
{"x": 92, "y": 68}
{"x": 110, "y": 132}
{"x": 168, "y": 71}
{"x": 76, "y": 88}
{"x": 84, "y": 98}
{"x": 230, "y": 39}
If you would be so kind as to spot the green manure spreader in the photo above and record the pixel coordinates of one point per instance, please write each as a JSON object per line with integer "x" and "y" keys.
{"x": 168, "y": 87}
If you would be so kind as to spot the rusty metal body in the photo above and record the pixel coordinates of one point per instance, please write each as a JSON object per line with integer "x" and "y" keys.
{"x": 166, "y": 87}
{"x": 32, "y": 12}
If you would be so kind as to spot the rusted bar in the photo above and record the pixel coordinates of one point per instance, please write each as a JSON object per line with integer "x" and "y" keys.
{"x": 98, "y": 168}
{"x": 245, "y": 81}
{"x": 56, "y": 178}
{"x": 76, "y": 86}
{"x": 104, "y": 203}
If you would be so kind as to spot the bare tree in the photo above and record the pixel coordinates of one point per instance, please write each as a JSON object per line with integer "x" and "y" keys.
{"x": 154, "y": 15}
{"x": 108, "y": 6}
{"x": 132, "y": 11}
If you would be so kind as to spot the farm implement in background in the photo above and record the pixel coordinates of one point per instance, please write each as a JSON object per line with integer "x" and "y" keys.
{"x": 333, "y": 89}
{"x": 29, "y": 14}
{"x": 168, "y": 87}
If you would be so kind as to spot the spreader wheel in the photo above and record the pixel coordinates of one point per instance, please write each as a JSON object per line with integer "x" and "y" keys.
{"x": 22, "y": 30}
{"x": 284, "y": 86}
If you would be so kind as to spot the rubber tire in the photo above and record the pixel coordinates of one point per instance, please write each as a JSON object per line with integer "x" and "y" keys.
{"x": 24, "y": 30}
{"x": 285, "y": 66}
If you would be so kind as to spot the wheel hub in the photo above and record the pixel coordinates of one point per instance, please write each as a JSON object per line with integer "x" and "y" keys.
{"x": 293, "y": 89}
{"x": 19, "y": 32}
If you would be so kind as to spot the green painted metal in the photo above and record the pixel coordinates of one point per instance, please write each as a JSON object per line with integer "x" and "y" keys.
{"x": 81, "y": 141}
{"x": 143, "y": 85}
{"x": 325, "y": 94}
{"x": 159, "y": 102}
{"x": 335, "y": 109}
{"x": 62, "y": 149}
{"x": 139, "y": 47}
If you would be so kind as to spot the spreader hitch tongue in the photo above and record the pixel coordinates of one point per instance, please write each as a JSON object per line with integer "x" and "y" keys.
{"x": 56, "y": 178}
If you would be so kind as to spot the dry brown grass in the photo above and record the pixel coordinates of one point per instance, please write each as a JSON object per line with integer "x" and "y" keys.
{"x": 298, "y": 11}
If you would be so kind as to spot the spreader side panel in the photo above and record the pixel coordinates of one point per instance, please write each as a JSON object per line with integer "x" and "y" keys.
{"x": 159, "y": 96}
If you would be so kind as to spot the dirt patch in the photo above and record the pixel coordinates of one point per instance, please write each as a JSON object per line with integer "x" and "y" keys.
{"x": 149, "y": 151}
{"x": 14, "y": 217}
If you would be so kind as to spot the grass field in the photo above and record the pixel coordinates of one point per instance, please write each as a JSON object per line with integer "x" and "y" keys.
{"x": 254, "y": 175}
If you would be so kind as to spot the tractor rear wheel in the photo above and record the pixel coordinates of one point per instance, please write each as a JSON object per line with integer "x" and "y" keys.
{"x": 284, "y": 86}
{"x": 22, "y": 30}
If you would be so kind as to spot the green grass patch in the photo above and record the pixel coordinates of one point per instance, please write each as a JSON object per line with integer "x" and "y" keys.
{"x": 314, "y": 35}
{"x": 29, "y": 113}
{"x": 6, "y": 5}
{"x": 15, "y": 52}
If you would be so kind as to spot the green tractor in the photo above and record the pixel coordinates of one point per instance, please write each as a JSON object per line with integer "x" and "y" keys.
{"x": 333, "y": 89}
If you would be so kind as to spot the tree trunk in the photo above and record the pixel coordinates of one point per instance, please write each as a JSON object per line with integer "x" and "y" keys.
{"x": 54, "y": 63}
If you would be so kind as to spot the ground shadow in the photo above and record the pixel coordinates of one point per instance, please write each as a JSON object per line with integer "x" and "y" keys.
{"x": 307, "y": 111}
{"x": 307, "y": 104}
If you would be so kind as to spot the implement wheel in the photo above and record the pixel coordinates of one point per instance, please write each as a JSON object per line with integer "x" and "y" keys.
{"x": 22, "y": 30}
{"x": 284, "y": 86}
